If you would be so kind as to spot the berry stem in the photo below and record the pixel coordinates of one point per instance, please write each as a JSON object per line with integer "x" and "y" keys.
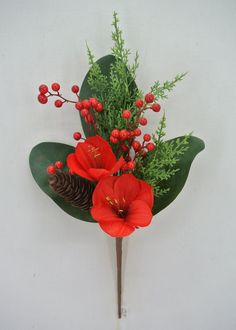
{"x": 63, "y": 98}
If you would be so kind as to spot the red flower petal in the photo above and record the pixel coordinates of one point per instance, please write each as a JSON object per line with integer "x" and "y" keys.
{"x": 104, "y": 213}
{"x": 117, "y": 165}
{"x": 74, "y": 166}
{"x": 117, "y": 228}
{"x": 104, "y": 189}
{"x": 97, "y": 173}
{"x": 107, "y": 156}
{"x": 146, "y": 193}
{"x": 139, "y": 214}
{"x": 126, "y": 189}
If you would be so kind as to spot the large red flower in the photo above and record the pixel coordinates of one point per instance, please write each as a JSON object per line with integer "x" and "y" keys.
{"x": 121, "y": 204}
{"x": 94, "y": 159}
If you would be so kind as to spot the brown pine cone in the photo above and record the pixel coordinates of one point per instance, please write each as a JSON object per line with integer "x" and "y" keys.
{"x": 73, "y": 189}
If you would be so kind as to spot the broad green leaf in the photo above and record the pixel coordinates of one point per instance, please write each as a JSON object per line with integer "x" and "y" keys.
{"x": 43, "y": 155}
{"x": 176, "y": 182}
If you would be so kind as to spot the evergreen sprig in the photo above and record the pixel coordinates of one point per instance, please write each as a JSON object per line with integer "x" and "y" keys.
{"x": 160, "y": 90}
{"x": 161, "y": 164}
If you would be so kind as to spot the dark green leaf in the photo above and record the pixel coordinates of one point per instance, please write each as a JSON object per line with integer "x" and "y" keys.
{"x": 43, "y": 155}
{"x": 176, "y": 182}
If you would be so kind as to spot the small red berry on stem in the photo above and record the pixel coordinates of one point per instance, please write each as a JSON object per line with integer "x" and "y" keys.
{"x": 79, "y": 105}
{"x": 99, "y": 107}
{"x": 55, "y": 87}
{"x": 137, "y": 132}
{"x": 113, "y": 139}
{"x": 43, "y": 89}
{"x": 126, "y": 114}
{"x": 131, "y": 165}
{"x": 124, "y": 134}
{"x": 93, "y": 102}
{"x": 86, "y": 104}
{"x": 75, "y": 89}
{"x": 42, "y": 98}
{"x": 139, "y": 103}
{"x": 124, "y": 147}
{"x": 147, "y": 137}
{"x": 77, "y": 136}
{"x": 156, "y": 107}
{"x": 115, "y": 133}
{"x": 136, "y": 145}
{"x": 149, "y": 98}
{"x": 58, "y": 103}
{"x": 150, "y": 146}
{"x": 143, "y": 121}
{"x": 89, "y": 119}
{"x": 84, "y": 112}
{"x": 59, "y": 164}
{"x": 51, "y": 169}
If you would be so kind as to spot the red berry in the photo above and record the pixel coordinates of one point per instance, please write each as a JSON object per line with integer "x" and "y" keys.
{"x": 86, "y": 104}
{"x": 139, "y": 103}
{"x": 89, "y": 119}
{"x": 99, "y": 107}
{"x": 79, "y": 105}
{"x": 124, "y": 167}
{"x": 131, "y": 135}
{"x": 84, "y": 112}
{"x": 115, "y": 133}
{"x": 149, "y": 98}
{"x": 156, "y": 107}
{"x": 147, "y": 137}
{"x": 59, "y": 164}
{"x": 136, "y": 145}
{"x": 51, "y": 169}
{"x": 58, "y": 103}
{"x": 137, "y": 132}
{"x": 150, "y": 146}
{"x": 131, "y": 165}
{"x": 126, "y": 114}
{"x": 43, "y": 89}
{"x": 124, "y": 148}
{"x": 143, "y": 121}
{"x": 93, "y": 102}
{"x": 55, "y": 87}
{"x": 113, "y": 139}
{"x": 124, "y": 134}
{"x": 42, "y": 98}
{"x": 75, "y": 89}
{"x": 77, "y": 136}
{"x": 143, "y": 153}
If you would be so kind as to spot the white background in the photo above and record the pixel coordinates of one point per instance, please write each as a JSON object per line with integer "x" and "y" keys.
{"x": 58, "y": 273}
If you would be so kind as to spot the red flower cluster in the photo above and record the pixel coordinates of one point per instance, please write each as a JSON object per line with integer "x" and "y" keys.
{"x": 94, "y": 159}
{"x": 121, "y": 204}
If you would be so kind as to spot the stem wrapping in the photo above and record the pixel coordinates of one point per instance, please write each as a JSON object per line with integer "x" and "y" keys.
{"x": 119, "y": 272}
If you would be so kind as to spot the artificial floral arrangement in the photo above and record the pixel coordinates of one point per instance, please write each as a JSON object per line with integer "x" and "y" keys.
{"x": 116, "y": 176}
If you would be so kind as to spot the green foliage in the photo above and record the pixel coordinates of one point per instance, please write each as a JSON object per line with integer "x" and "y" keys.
{"x": 160, "y": 164}
{"x": 160, "y": 90}
{"x": 116, "y": 89}
{"x": 176, "y": 182}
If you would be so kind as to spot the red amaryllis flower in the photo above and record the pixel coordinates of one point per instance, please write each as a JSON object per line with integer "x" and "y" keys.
{"x": 121, "y": 204}
{"x": 94, "y": 159}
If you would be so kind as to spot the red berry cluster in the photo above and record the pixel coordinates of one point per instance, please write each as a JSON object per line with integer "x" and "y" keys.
{"x": 86, "y": 108}
{"x": 126, "y": 138}
{"x": 45, "y": 94}
{"x": 51, "y": 169}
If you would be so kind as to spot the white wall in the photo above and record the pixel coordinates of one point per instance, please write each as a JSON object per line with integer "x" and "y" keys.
{"x": 58, "y": 273}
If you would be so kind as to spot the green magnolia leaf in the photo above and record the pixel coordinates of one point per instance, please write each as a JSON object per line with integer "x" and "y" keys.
{"x": 177, "y": 181}
{"x": 43, "y": 155}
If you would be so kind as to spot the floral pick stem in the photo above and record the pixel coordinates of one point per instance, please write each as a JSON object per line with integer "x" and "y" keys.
{"x": 119, "y": 272}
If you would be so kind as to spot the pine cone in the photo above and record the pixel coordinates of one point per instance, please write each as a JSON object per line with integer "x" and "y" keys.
{"x": 75, "y": 190}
